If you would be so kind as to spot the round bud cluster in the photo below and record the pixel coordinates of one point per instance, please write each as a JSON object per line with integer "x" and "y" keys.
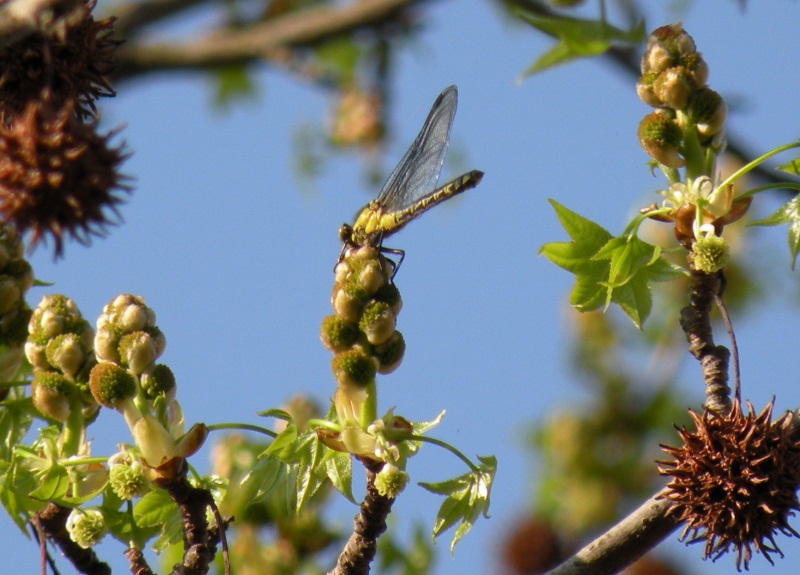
{"x": 127, "y": 476}
{"x": 59, "y": 347}
{"x": 362, "y": 332}
{"x": 673, "y": 80}
{"x": 86, "y": 527}
{"x": 710, "y": 253}
{"x": 16, "y": 278}
{"x": 127, "y": 334}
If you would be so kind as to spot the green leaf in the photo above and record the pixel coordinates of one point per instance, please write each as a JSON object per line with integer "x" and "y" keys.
{"x": 154, "y": 509}
{"x": 16, "y": 483}
{"x": 788, "y": 213}
{"x": 52, "y": 483}
{"x": 577, "y": 38}
{"x": 339, "y": 467}
{"x": 16, "y": 416}
{"x": 792, "y": 167}
{"x": 608, "y": 269}
{"x": 467, "y": 498}
{"x": 233, "y": 85}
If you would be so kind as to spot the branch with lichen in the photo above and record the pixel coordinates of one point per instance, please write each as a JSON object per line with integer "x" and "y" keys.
{"x": 368, "y": 525}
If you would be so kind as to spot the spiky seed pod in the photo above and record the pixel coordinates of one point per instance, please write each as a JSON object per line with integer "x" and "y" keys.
{"x": 734, "y": 481}
{"x": 58, "y": 176}
{"x": 68, "y": 58}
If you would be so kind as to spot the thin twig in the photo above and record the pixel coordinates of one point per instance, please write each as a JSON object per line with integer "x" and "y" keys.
{"x": 723, "y": 309}
{"x": 624, "y": 543}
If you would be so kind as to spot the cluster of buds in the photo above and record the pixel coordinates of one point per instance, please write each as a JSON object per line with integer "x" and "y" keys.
{"x": 673, "y": 81}
{"x": 687, "y": 131}
{"x": 16, "y": 278}
{"x": 361, "y": 333}
{"x": 363, "y": 337}
{"x": 59, "y": 348}
{"x": 128, "y": 379}
{"x": 58, "y": 176}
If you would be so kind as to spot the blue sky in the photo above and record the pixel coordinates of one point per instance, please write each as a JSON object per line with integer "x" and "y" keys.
{"x": 235, "y": 254}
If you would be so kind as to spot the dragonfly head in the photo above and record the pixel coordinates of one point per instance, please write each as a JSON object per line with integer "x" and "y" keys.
{"x": 346, "y": 234}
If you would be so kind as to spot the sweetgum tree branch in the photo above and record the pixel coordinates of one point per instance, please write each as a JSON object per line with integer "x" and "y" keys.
{"x": 52, "y": 520}
{"x": 696, "y": 324}
{"x": 236, "y": 45}
{"x": 368, "y": 525}
{"x": 624, "y": 543}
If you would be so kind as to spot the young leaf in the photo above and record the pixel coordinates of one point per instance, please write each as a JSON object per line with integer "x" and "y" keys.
{"x": 792, "y": 167}
{"x": 608, "y": 269}
{"x": 467, "y": 499}
{"x": 577, "y": 38}
{"x": 339, "y": 468}
{"x": 788, "y": 213}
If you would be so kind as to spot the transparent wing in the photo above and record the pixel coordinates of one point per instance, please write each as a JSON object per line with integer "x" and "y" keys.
{"x": 418, "y": 171}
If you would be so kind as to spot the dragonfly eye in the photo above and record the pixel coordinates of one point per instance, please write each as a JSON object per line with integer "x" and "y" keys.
{"x": 346, "y": 233}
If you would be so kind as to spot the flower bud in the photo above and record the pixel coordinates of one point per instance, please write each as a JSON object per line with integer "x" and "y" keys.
{"x": 137, "y": 351}
{"x": 111, "y": 385}
{"x": 36, "y": 354}
{"x": 661, "y": 137}
{"x": 157, "y": 380}
{"x": 391, "y": 481}
{"x": 338, "y": 335}
{"x": 708, "y": 111}
{"x": 51, "y": 393}
{"x": 390, "y": 295}
{"x": 127, "y": 479}
{"x": 155, "y": 442}
{"x": 377, "y": 322}
{"x": 66, "y": 353}
{"x": 86, "y": 528}
{"x": 353, "y": 368}
{"x": 106, "y": 343}
{"x": 390, "y": 353}
{"x": 673, "y": 87}
{"x": 710, "y": 254}
{"x": 666, "y": 47}
{"x": 348, "y": 301}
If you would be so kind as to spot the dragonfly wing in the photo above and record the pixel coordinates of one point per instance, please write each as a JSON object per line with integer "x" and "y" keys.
{"x": 419, "y": 169}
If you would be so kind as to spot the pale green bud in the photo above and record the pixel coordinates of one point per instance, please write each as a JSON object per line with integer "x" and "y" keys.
{"x": 86, "y": 528}
{"x": 138, "y": 351}
{"x": 128, "y": 480}
{"x": 66, "y": 353}
{"x": 391, "y": 481}
{"x": 378, "y": 322}
{"x": 710, "y": 254}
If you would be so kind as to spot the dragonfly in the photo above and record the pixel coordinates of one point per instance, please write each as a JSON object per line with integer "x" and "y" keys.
{"x": 411, "y": 190}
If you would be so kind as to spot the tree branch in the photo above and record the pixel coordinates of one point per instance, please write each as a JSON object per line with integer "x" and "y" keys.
{"x": 368, "y": 525}
{"x": 243, "y": 45}
{"x": 52, "y": 520}
{"x": 624, "y": 543}
{"x": 132, "y": 16}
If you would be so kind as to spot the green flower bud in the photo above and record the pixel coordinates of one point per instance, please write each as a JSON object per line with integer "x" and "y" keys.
{"x": 391, "y": 295}
{"x": 710, "y": 254}
{"x": 338, "y": 335}
{"x": 707, "y": 110}
{"x": 377, "y": 322}
{"x": 661, "y": 137}
{"x": 128, "y": 480}
{"x": 348, "y": 300}
{"x": 667, "y": 46}
{"x": 353, "y": 368}
{"x": 106, "y": 343}
{"x": 86, "y": 528}
{"x": 372, "y": 277}
{"x": 10, "y": 294}
{"x": 137, "y": 351}
{"x": 390, "y": 481}
{"x": 55, "y": 314}
{"x": 390, "y": 353}
{"x": 645, "y": 91}
{"x": 36, "y": 354}
{"x": 157, "y": 380}
{"x": 111, "y": 385}
{"x": 51, "y": 394}
{"x": 66, "y": 353}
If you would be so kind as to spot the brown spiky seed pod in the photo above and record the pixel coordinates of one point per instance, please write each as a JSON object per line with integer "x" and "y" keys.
{"x": 734, "y": 481}
{"x": 58, "y": 176}
{"x": 68, "y": 59}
